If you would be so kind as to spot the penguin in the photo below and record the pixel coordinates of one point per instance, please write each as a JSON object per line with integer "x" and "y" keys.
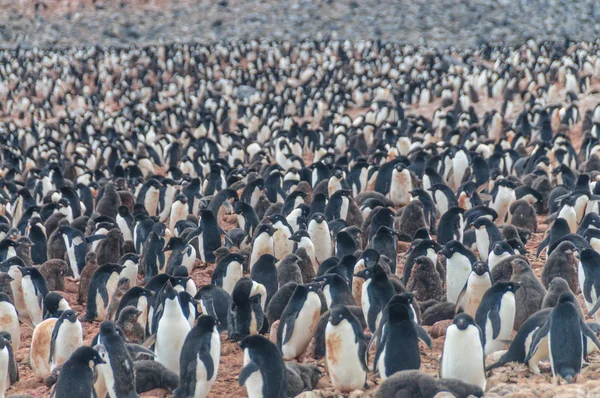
{"x": 127, "y": 321}
{"x": 125, "y": 222}
{"x": 459, "y": 261}
{"x": 76, "y": 248}
{"x": 37, "y": 234}
{"x": 399, "y": 327}
{"x": 304, "y": 242}
{"x": 109, "y": 203}
{"x": 503, "y": 195}
{"x": 208, "y": 234}
{"x": 214, "y": 301}
{"x": 589, "y": 280}
{"x": 199, "y": 361}
{"x": 34, "y": 290}
{"x": 424, "y": 247}
{"x": 559, "y": 229}
{"x": 178, "y": 212}
{"x": 478, "y": 282}
{"x": 318, "y": 230}
{"x": 500, "y": 252}
{"x": 246, "y": 313}
{"x": 39, "y": 351}
{"x": 76, "y": 377}
{"x": 564, "y": 334}
{"x": 101, "y": 289}
{"x": 463, "y": 355}
{"x": 182, "y": 254}
{"x": 496, "y": 315}
{"x": 385, "y": 242}
{"x": 451, "y": 226}
{"x": 171, "y": 331}
{"x": 109, "y": 250}
{"x": 9, "y": 321}
{"x": 282, "y": 245}
{"x": 246, "y": 217}
{"x": 130, "y": 262}
{"x": 298, "y": 321}
{"x": 116, "y": 377}
{"x": 262, "y": 243}
{"x": 54, "y": 305}
{"x": 346, "y": 353}
{"x": 263, "y": 372}
{"x": 531, "y": 293}
{"x": 265, "y": 273}
{"x": 91, "y": 265}
{"x": 150, "y": 375}
{"x": 67, "y": 336}
{"x": 152, "y": 255}
{"x": 562, "y": 262}
{"x": 418, "y": 384}
{"x": 486, "y": 234}
{"x": 412, "y": 218}
{"x": 53, "y": 272}
{"x": 336, "y": 290}
{"x": 425, "y": 281}
{"x": 228, "y": 271}
{"x": 557, "y": 287}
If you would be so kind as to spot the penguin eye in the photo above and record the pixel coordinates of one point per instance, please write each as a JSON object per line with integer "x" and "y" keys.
{"x": 340, "y": 316}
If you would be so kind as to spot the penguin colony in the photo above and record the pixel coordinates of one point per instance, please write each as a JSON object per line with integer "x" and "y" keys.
{"x": 338, "y": 198}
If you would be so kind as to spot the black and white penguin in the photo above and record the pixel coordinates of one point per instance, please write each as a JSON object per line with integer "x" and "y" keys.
{"x": 336, "y": 290}
{"x": 391, "y": 357}
{"x": 101, "y": 290}
{"x": 463, "y": 355}
{"x": 34, "y": 289}
{"x": 346, "y": 355}
{"x": 265, "y": 272}
{"x": 377, "y": 290}
{"x": 564, "y": 334}
{"x": 182, "y": 254}
{"x": 9, "y": 321}
{"x": 228, "y": 271}
{"x": 298, "y": 321}
{"x": 199, "y": 361}
{"x": 125, "y": 222}
{"x": 208, "y": 235}
{"x": 116, "y": 377}
{"x": 246, "y": 217}
{"x": 153, "y": 256}
{"x": 76, "y": 377}
{"x": 262, "y": 243}
{"x": 130, "y": 262}
{"x": 67, "y": 337}
{"x": 478, "y": 282}
{"x": 171, "y": 331}
{"x": 214, "y": 301}
{"x": 263, "y": 373}
{"x": 451, "y": 226}
{"x": 55, "y": 305}
{"x": 282, "y": 245}
{"x": 496, "y": 315}
{"x": 246, "y": 313}
{"x": 318, "y": 230}
{"x": 76, "y": 247}
{"x": 459, "y": 261}
{"x": 500, "y": 251}
{"x": 503, "y": 195}
{"x": 486, "y": 235}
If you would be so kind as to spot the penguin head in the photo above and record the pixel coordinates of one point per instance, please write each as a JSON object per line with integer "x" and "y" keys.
{"x": 338, "y": 314}
{"x": 207, "y": 323}
{"x": 174, "y": 242}
{"x": 54, "y": 302}
{"x": 481, "y": 222}
{"x": 508, "y": 286}
{"x": 519, "y": 265}
{"x": 107, "y": 328}
{"x": 123, "y": 285}
{"x": 123, "y": 211}
{"x": 159, "y": 229}
{"x": 180, "y": 271}
{"x": 313, "y": 287}
{"x": 298, "y": 235}
{"x": 88, "y": 356}
{"x": 130, "y": 314}
{"x": 24, "y": 242}
{"x": 370, "y": 257}
{"x": 399, "y": 311}
{"x": 501, "y": 248}
{"x": 115, "y": 233}
{"x": 451, "y": 247}
{"x": 69, "y": 315}
{"x": 318, "y": 218}
{"x": 463, "y": 321}
{"x": 558, "y": 284}
{"x": 566, "y": 298}
{"x": 480, "y": 268}
{"x": 568, "y": 248}
{"x": 267, "y": 228}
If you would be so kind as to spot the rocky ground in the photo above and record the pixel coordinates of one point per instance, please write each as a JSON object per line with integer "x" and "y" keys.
{"x": 459, "y": 23}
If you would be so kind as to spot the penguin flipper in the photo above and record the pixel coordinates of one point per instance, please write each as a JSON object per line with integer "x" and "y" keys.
{"x": 137, "y": 350}
{"x": 247, "y": 371}
{"x": 204, "y": 356}
{"x": 494, "y": 317}
{"x": 543, "y": 245}
{"x": 594, "y": 308}
{"x": 93, "y": 238}
{"x": 422, "y": 334}
{"x": 587, "y": 290}
{"x": 537, "y": 339}
{"x": 588, "y": 332}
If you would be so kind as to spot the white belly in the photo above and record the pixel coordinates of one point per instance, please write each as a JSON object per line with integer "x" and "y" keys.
{"x": 9, "y": 322}
{"x": 321, "y": 240}
{"x": 483, "y": 243}
{"x": 254, "y": 383}
{"x": 31, "y": 301}
{"x": 170, "y": 336}
{"x": 458, "y": 270}
{"x": 69, "y": 338}
{"x": 304, "y": 328}
{"x": 507, "y": 320}
{"x": 463, "y": 356}
{"x": 262, "y": 245}
{"x": 345, "y": 367}
{"x": 232, "y": 276}
{"x": 130, "y": 272}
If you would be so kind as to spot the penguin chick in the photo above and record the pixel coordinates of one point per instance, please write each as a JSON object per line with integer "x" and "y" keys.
{"x": 128, "y": 323}
{"x": 411, "y": 219}
{"x": 557, "y": 287}
{"x": 150, "y": 374}
{"x": 418, "y": 384}
{"x": 563, "y": 263}
{"x": 91, "y": 265}
{"x": 530, "y": 295}
{"x": 288, "y": 270}
{"x": 54, "y": 272}
{"x": 301, "y": 377}
{"x": 425, "y": 281}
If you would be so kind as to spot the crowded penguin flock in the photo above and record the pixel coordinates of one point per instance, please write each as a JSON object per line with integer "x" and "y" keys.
{"x": 321, "y": 207}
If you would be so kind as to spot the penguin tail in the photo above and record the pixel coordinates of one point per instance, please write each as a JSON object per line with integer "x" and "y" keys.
{"x": 569, "y": 375}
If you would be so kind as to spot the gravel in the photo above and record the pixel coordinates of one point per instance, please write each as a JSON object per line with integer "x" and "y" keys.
{"x": 440, "y": 23}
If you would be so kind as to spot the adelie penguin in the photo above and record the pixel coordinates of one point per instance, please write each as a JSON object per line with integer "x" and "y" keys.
{"x": 298, "y": 321}
{"x": 199, "y": 361}
{"x": 182, "y": 253}
{"x": 228, "y": 271}
{"x": 377, "y": 290}
{"x": 262, "y": 243}
{"x": 34, "y": 289}
{"x": 9, "y": 320}
{"x": 451, "y": 226}
{"x": 282, "y": 245}
{"x": 336, "y": 290}
{"x": 459, "y": 261}
{"x": 564, "y": 334}
{"x": 347, "y": 353}
{"x": 172, "y": 328}
{"x": 486, "y": 234}
{"x": 215, "y": 302}
{"x": 116, "y": 376}
{"x": 318, "y": 230}
{"x": 153, "y": 256}
{"x": 263, "y": 373}
{"x": 67, "y": 337}
{"x": 101, "y": 290}
{"x": 463, "y": 355}
{"x": 76, "y": 377}
{"x": 77, "y": 248}
{"x": 478, "y": 282}
{"x": 246, "y": 313}
{"x": 208, "y": 235}
{"x": 496, "y": 315}
{"x": 131, "y": 262}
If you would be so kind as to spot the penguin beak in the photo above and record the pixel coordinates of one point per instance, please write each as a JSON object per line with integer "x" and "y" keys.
{"x": 576, "y": 253}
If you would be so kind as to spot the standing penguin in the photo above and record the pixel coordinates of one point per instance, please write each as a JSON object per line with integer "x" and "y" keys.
{"x": 451, "y": 226}
{"x": 496, "y": 315}
{"x": 34, "y": 290}
{"x": 116, "y": 377}
{"x": 390, "y": 356}
{"x": 101, "y": 290}
{"x": 246, "y": 313}
{"x": 228, "y": 271}
{"x": 263, "y": 373}
{"x": 9, "y": 321}
{"x": 91, "y": 265}
{"x": 76, "y": 377}
{"x": 459, "y": 261}
{"x": 401, "y": 185}
{"x": 199, "y": 361}
{"x": 67, "y": 337}
{"x": 282, "y": 245}
{"x": 346, "y": 353}
{"x": 109, "y": 250}
{"x": 182, "y": 254}
{"x": 262, "y": 243}
{"x": 131, "y": 263}
{"x": 318, "y": 230}
{"x": 298, "y": 321}
{"x": 478, "y": 282}
{"x": 503, "y": 195}
{"x": 208, "y": 234}
{"x": 486, "y": 235}
{"x": 377, "y": 290}
{"x": 153, "y": 256}
{"x": 463, "y": 357}
{"x": 565, "y": 335}
{"x": 171, "y": 331}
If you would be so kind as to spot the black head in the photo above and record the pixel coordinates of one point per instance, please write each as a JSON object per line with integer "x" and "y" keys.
{"x": 319, "y": 218}
{"x": 207, "y": 323}
{"x": 298, "y": 235}
{"x": 480, "y": 268}
{"x": 399, "y": 311}
{"x": 501, "y": 248}
{"x": 463, "y": 321}
{"x": 566, "y": 298}
{"x": 88, "y": 356}
{"x": 255, "y": 342}
{"x": 181, "y": 271}
{"x": 339, "y": 313}
{"x": 370, "y": 257}
{"x": 69, "y": 315}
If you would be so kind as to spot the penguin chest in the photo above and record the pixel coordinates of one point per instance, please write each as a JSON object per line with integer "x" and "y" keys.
{"x": 17, "y": 290}
{"x": 102, "y": 304}
{"x": 400, "y": 187}
{"x": 263, "y": 245}
{"x": 458, "y": 269}
{"x": 40, "y": 348}
{"x": 342, "y": 355}
{"x": 142, "y": 306}
{"x": 254, "y": 383}
{"x": 463, "y": 356}
{"x": 71, "y": 257}
{"x": 179, "y": 211}
{"x": 322, "y": 242}
{"x": 304, "y": 327}
{"x": 170, "y": 336}
{"x": 477, "y": 286}
{"x": 32, "y": 301}
{"x": 570, "y": 216}
{"x": 507, "y": 320}
{"x": 441, "y": 201}
{"x": 9, "y": 322}
{"x": 483, "y": 243}
{"x": 124, "y": 227}
{"x": 282, "y": 245}
{"x": 232, "y": 276}
{"x": 151, "y": 200}
{"x": 130, "y": 272}
{"x": 344, "y": 208}
{"x": 365, "y": 302}
{"x": 189, "y": 258}
{"x": 357, "y": 283}
{"x": 68, "y": 339}
{"x": 241, "y": 221}
{"x": 501, "y": 203}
